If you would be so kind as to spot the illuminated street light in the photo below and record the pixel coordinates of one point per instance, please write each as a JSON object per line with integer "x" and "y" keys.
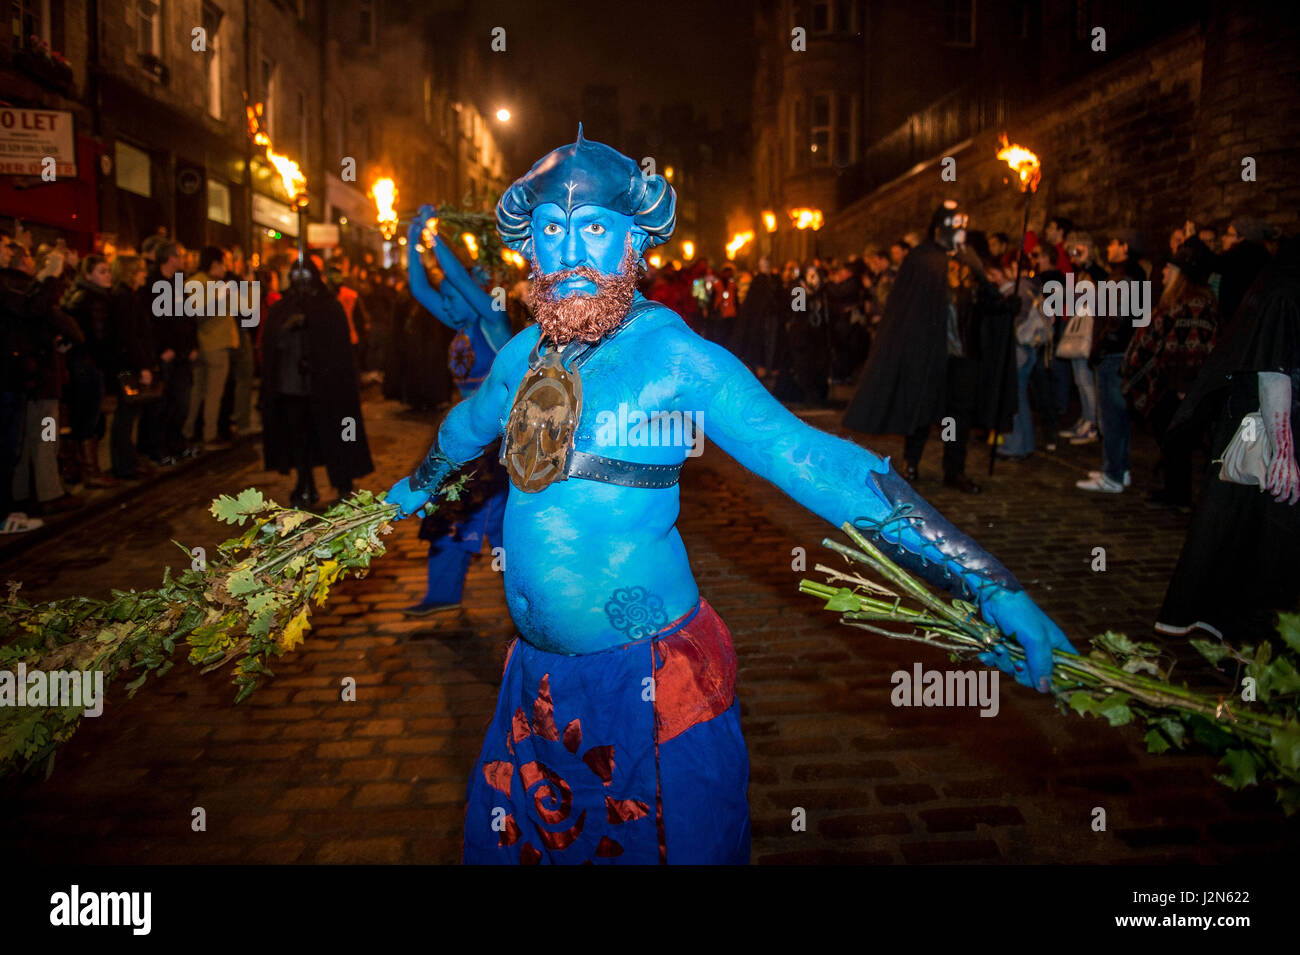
{"x": 688, "y": 249}
{"x": 503, "y": 114}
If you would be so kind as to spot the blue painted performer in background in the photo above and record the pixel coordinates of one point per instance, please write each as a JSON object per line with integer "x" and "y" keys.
{"x": 617, "y": 731}
{"x": 456, "y": 533}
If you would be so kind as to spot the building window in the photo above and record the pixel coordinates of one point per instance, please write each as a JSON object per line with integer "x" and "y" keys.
{"x": 212, "y": 28}
{"x": 148, "y": 28}
{"x": 819, "y": 132}
{"x": 821, "y": 17}
{"x": 846, "y": 129}
{"x": 1082, "y": 19}
{"x": 959, "y": 22}
{"x": 133, "y": 171}
{"x": 366, "y": 23}
{"x": 31, "y": 18}
{"x": 340, "y": 124}
{"x": 304, "y": 137}
{"x": 268, "y": 97}
{"x": 218, "y": 201}
{"x": 846, "y": 16}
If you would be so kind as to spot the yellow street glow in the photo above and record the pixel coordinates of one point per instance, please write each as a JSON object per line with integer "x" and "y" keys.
{"x": 769, "y": 220}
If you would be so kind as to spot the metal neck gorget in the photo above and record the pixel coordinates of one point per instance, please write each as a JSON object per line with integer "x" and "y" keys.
{"x": 538, "y": 446}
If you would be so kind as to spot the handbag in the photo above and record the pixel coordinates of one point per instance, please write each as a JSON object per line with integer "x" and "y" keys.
{"x": 1249, "y": 454}
{"x": 1033, "y": 329}
{"x": 1076, "y": 340}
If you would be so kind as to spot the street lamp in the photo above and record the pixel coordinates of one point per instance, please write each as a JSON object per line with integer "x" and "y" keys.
{"x": 503, "y": 114}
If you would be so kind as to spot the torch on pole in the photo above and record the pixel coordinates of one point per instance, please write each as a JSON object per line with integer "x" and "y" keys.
{"x": 1026, "y": 166}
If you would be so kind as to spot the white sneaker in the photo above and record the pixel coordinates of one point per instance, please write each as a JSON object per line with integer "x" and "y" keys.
{"x": 20, "y": 523}
{"x": 1100, "y": 483}
{"x": 1128, "y": 476}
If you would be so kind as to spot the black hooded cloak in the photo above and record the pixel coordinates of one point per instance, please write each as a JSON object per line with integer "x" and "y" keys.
{"x": 903, "y": 383}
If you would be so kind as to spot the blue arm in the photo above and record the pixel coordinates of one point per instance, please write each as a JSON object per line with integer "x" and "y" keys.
{"x": 469, "y": 427}
{"x": 460, "y": 301}
{"x": 841, "y": 481}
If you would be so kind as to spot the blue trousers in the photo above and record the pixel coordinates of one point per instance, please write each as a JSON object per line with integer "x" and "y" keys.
{"x": 1113, "y": 411}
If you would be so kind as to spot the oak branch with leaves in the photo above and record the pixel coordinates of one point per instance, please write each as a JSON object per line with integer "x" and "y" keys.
{"x": 251, "y": 602}
{"x": 1120, "y": 680}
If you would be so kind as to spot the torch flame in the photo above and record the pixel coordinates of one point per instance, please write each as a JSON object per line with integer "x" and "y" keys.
{"x": 1023, "y": 162}
{"x": 295, "y": 183}
{"x": 738, "y": 242}
{"x": 384, "y": 192}
{"x": 769, "y": 220}
{"x": 471, "y": 243}
{"x": 807, "y": 218}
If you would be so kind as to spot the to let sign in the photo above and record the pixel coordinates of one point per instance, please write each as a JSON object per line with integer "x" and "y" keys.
{"x": 29, "y": 137}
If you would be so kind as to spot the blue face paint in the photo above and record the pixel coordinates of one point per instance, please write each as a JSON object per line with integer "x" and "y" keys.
{"x": 590, "y": 236}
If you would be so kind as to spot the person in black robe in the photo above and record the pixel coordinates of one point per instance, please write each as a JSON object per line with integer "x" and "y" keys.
{"x": 1239, "y": 563}
{"x": 759, "y": 320}
{"x": 919, "y": 369}
{"x": 311, "y": 401}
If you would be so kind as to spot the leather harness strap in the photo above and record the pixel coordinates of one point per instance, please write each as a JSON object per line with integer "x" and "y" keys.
{"x": 597, "y": 467}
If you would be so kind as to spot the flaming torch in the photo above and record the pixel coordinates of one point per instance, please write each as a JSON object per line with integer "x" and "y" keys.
{"x": 384, "y": 192}
{"x": 1028, "y": 170}
{"x": 738, "y": 242}
{"x": 294, "y": 182}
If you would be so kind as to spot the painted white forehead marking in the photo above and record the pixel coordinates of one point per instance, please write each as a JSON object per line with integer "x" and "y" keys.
{"x": 570, "y": 185}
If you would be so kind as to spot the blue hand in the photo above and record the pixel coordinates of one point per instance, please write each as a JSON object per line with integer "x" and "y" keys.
{"x": 407, "y": 499}
{"x": 1016, "y": 615}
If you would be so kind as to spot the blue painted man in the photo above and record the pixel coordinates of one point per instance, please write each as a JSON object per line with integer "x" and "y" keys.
{"x": 455, "y": 534}
{"x": 617, "y": 731}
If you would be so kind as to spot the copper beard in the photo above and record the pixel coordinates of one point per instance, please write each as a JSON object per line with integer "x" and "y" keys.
{"x": 583, "y": 317}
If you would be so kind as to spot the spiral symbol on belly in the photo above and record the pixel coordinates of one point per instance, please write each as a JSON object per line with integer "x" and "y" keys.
{"x": 635, "y": 612}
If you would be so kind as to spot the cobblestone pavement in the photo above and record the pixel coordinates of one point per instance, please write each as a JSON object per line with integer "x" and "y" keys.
{"x": 294, "y": 775}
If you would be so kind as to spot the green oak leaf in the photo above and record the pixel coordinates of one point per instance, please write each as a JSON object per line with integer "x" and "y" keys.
{"x": 1156, "y": 743}
{"x": 1212, "y": 650}
{"x": 844, "y": 599}
{"x": 1286, "y": 745}
{"x": 1242, "y": 766}
{"x": 1288, "y": 628}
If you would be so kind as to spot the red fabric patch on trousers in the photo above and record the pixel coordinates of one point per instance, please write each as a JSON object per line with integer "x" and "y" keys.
{"x": 696, "y": 679}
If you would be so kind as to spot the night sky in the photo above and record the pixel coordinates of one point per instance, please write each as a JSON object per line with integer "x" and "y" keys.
{"x": 661, "y": 52}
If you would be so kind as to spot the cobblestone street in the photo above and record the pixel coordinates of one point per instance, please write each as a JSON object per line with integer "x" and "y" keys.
{"x": 295, "y": 775}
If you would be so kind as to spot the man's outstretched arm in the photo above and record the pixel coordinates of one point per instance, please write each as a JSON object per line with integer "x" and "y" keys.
{"x": 468, "y": 428}
{"x": 841, "y": 481}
